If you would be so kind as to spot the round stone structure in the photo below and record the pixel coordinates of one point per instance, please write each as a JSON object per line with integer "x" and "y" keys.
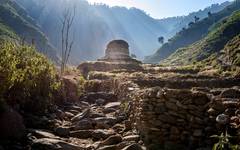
{"x": 117, "y": 48}
{"x": 118, "y": 51}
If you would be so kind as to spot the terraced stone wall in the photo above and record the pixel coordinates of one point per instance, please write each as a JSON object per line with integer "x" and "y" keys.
{"x": 180, "y": 119}
{"x": 170, "y": 117}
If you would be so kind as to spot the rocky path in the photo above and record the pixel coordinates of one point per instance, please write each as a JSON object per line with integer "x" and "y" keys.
{"x": 118, "y": 111}
{"x": 95, "y": 122}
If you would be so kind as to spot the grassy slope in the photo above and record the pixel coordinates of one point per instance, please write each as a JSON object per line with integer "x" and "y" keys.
{"x": 213, "y": 43}
{"x": 14, "y": 21}
{"x": 192, "y": 34}
{"x": 6, "y": 32}
{"x": 231, "y": 51}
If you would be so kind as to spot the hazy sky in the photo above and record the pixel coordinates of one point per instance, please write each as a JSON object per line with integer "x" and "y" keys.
{"x": 162, "y": 8}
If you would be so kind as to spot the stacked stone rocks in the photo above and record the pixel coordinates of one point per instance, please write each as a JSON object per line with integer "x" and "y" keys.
{"x": 175, "y": 117}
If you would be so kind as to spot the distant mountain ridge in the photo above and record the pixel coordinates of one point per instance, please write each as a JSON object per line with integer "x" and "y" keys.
{"x": 96, "y": 25}
{"x": 175, "y": 24}
{"x": 192, "y": 34}
{"x": 223, "y": 38}
{"x": 16, "y": 24}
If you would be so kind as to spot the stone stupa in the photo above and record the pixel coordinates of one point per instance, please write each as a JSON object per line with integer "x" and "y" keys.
{"x": 118, "y": 51}
{"x": 116, "y": 58}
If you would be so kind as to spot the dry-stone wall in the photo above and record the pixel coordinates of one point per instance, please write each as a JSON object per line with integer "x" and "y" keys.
{"x": 179, "y": 119}
{"x": 171, "y": 116}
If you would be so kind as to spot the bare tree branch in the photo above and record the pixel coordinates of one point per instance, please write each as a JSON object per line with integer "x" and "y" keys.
{"x": 67, "y": 22}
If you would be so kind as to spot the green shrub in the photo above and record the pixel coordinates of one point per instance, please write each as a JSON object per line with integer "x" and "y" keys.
{"x": 27, "y": 78}
{"x": 80, "y": 86}
{"x": 224, "y": 142}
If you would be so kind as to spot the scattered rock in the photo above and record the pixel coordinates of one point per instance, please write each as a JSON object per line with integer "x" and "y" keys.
{"x": 81, "y": 134}
{"x": 43, "y": 134}
{"x": 81, "y": 115}
{"x": 109, "y": 110}
{"x": 124, "y": 144}
{"x": 108, "y": 147}
{"x": 96, "y": 115}
{"x": 62, "y": 131}
{"x": 101, "y": 134}
{"x": 115, "y": 105}
{"x": 112, "y": 140}
{"x": 212, "y": 111}
{"x": 104, "y": 122}
{"x": 222, "y": 119}
{"x": 100, "y": 101}
{"x": 119, "y": 128}
{"x": 69, "y": 115}
{"x": 84, "y": 124}
{"x": 53, "y": 144}
{"x": 133, "y": 147}
{"x": 135, "y": 138}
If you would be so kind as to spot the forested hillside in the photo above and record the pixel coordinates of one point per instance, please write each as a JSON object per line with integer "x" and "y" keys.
{"x": 16, "y": 24}
{"x": 196, "y": 31}
{"x": 98, "y": 24}
{"x": 225, "y": 31}
{"x": 190, "y": 101}
{"x": 175, "y": 24}
{"x": 95, "y": 25}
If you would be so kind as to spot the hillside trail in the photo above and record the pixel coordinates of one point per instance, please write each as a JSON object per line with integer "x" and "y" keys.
{"x": 96, "y": 121}
{"x": 101, "y": 118}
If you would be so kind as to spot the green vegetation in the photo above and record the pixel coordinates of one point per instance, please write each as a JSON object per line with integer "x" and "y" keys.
{"x": 231, "y": 51}
{"x": 16, "y": 24}
{"x": 207, "y": 51}
{"x": 196, "y": 31}
{"x": 27, "y": 78}
{"x": 224, "y": 142}
{"x": 80, "y": 85}
{"x": 6, "y": 32}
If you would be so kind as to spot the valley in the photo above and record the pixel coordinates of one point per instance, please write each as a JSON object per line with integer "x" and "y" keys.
{"x": 85, "y": 85}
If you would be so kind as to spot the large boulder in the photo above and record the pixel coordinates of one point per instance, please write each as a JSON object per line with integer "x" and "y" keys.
{"x": 11, "y": 125}
{"x": 71, "y": 88}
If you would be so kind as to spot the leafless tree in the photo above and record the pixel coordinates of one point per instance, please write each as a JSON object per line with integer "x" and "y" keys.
{"x": 66, "y": 41}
